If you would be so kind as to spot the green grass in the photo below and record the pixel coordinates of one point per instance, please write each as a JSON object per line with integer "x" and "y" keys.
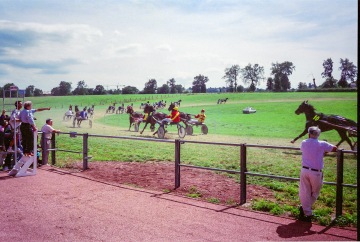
{"x": 274, "y": 123}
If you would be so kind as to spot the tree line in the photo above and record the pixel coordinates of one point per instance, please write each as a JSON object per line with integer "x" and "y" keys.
{"x": 251, "y": 75}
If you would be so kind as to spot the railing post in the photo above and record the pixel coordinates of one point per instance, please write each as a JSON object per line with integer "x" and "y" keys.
{"x": 242, "y": 174}
{"x": 85, "y": 151}
{"x": 53, "y": 156}
{"x": 339, "y": 181}
{"x": 177, "y": 163}
{"x": 44, "y": 149}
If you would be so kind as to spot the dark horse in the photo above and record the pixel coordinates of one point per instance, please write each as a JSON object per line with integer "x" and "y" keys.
{"x": 345, "y": 127}
{"x": 220, "y": 101}
{"x": 152, "y": 117}
{"x": 184, "y": 117}
{"x": 134, "y": 117}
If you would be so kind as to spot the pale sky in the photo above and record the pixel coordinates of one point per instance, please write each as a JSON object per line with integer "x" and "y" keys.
{"x": 129, "y": 42}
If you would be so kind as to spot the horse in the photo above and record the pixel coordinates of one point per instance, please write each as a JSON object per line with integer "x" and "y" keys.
{"x": 152, "y": 117}
{"x": 111, "y": 109}
{"x": 177, "y": 103}
{"x": 220, "y": 101}
{"x": 345, "y": 127}
{"x": 120, "y": 109}
{"x": 134, "y": 117}
{"x": 184, "y": 117}
{"x": 91, "y": 111}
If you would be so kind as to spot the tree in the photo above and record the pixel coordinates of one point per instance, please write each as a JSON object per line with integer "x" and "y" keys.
{"x": 199, "y": 84}
{"x": 63, "y": 89}
{"x": 302, "y": 85}
{"x": 38, "y": 92}
{"x": 281, "y": 71}
{"x": 270, "y": 84}
{"x": 240, "y": 88}
{"x": 29, "y": 91}
{"x": 130, "y": 90}
{"x": 231, "y": 75}
{"x": 81, "y": 88}
{"x": 6, "y": 88}
{"x": 99, "y": 90}
{"x": 164, "y": 89}
{"x": 348, "y": 72}
{"x": 171, "y": 84}
{"x": 328, "y": 68}
{"x": 253, "y": 74}
{"x": 179, "y": 89}
{"x": 150, "y": 87}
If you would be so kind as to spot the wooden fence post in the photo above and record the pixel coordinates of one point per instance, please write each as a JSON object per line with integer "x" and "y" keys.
{"x": 242, "y": 174}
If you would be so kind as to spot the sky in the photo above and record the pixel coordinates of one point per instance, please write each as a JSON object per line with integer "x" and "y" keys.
{"x": 118, "y": 43}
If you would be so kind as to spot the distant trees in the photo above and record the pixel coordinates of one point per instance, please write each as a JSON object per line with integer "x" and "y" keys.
{"x": 99, "y": 90}
{"x": 253, "y": 74}
{"x": 150, "y": 87}
{"x": 130, "y": 90}
{"x": 281, "y": 71}
{"x": 348, "y": 72}
{"x": 199, "y": 84}
{"x": 63, "y": 89}
{"x": 164, "y": 89}
{"x": 231, "y": 76}
{"x": 270, "y": 84}
{"x": 81, "y": 89}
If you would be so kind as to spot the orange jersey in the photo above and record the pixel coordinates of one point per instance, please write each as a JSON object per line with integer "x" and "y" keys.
{"x": 201, "y": 117}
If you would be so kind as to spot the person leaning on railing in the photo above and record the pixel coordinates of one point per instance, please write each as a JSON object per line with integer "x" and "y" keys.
{"x": 311, "y": 176}
{"x": 47, "y": 130}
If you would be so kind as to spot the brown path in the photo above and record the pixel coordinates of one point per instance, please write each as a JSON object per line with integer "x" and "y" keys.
{"x": 59, "y": 206}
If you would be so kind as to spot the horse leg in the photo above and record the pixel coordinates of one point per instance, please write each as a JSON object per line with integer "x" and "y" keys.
{"x": 344, "y": 137}
{"x": 144, "y": 127}
{"x": 300, "y": 135}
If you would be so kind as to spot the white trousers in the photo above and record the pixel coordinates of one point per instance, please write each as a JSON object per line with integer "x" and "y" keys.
{"x": 310, "y": 186}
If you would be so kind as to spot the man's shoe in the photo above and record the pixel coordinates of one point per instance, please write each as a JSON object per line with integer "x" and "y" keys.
{"x": 306, "y": 218}
{"x": 301, "y": 212}
{"x": 13, "y": 172}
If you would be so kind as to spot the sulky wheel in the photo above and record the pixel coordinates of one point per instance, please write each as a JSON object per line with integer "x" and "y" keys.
{"x": 161, "y": 132}
{"x": 136, "y": 127}
{"x": 189, "y": 130}
{"x": 181, "y": 132}
{"x": 204, "y": 129}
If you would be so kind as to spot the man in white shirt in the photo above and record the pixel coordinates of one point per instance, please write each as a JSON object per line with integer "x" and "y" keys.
{"x": 311, "y": 176}
{"x": 47, "y": 131}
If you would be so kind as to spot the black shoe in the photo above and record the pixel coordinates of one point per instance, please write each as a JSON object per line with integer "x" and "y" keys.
{"x": 301, "y": 212}
{"x": 306, "y": 219}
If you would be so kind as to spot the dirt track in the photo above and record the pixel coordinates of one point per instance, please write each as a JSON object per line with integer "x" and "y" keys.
{"x": 56, "y": 205}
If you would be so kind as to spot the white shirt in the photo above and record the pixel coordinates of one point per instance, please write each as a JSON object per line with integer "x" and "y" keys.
{"x": 313, "y": 153}
{"x": 48, "y": 130}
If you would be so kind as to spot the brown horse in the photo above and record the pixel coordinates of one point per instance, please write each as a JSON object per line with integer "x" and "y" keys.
{"x": 152, "y": 117}
{"x": 134, "y": 117}
{"x": 345, "y": 127}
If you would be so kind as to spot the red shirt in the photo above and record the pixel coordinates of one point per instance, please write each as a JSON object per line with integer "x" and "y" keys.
{"x": 175, "y": 116}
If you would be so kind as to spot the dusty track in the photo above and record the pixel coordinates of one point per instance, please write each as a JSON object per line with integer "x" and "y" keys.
{"x": 57, "y": 205}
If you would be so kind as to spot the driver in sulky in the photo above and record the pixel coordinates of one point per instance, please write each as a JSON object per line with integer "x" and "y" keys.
{"x": 173, "y": 118}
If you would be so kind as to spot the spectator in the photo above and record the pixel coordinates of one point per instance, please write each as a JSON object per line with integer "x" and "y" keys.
{"x": 47, "y": 130}
{"x": 311, "y": 176}
{"x": 27, "y": 127}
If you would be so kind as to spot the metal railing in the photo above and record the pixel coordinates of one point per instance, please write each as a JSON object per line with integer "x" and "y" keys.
{"x": 243, "y": 172}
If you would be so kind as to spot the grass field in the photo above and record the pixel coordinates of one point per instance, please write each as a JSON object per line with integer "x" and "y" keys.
{"x": 274, "y": 123}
